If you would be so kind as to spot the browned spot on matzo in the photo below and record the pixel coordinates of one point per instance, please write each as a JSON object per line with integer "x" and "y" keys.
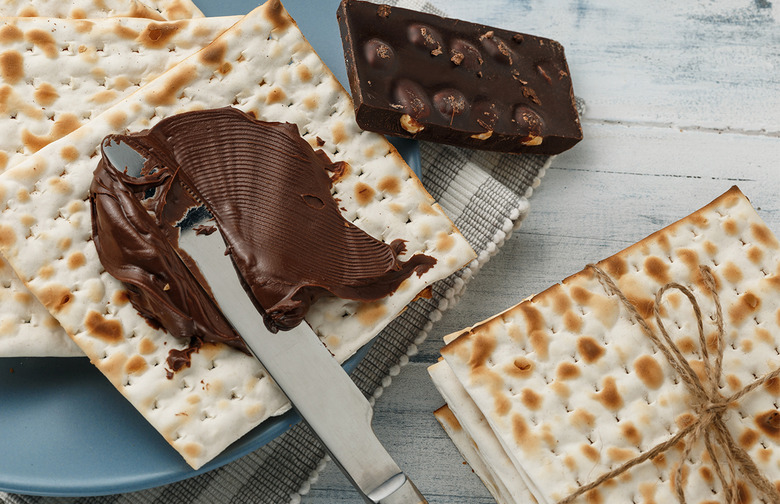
{"x": 567, "y": 371}
{"x": 561, "y": 302}
{"x": 707, "y": 474}
{"x": 609, "y": 395}
{"x": 116, "y": 118}
{"x": 762, "y": 233}
{"x": 23, "y": 297}
{"x": 44, "y": 40}
{"x": 483, "y": 346}
{"x": 686, "y": 344}
{"x": 748, "y": 438}
{"x": 540, "y": 343}
{"x": 10, "y": 33}
{"x": 277, "y": 15}
{"x": 744, "y": 307}
{"x": 572, "y": 322}
{"x": 731, "y": 272}
{"x": 582, "y": 419}
{"x": 621, "y": 454}
{"x": 370, "y": 312}
{"x": 104, "y": 96}
{"x": 755, "y": 254}
{"x": 76, "y": 260}
{"x": 733, "y": 382}
{"x": 69, "y": 153}
{"x": 730, "y": 226}
{"x": 594, "y": 497}
{"x": 531, "y": 399}
{"x": 445, "y": 415}
{"x": 310, "y": 102}
{"x": 522, "y": 367}
{"x": 581, "y": 295}
{"x": 657, "y": 269}
{"x": 615, "y": 266}
{"x": 773, "y": 386}
{"x": 304, "y": 74}
{"x": 213, "y": 54}
{"x": 768, "y": 422}
{"x": 631, "y": 433}
{"x": 28, "y": 11}
{"x": 158, "y": 35}
{"x": 176, "y": 81}
{"x": 339, "y": 132}
{"x": 522, "y": 434}
{"x": 120, "y": 297}
{"x": 364, "y": 193}
{"x": 136, "y": 364}
{"x": 84, "y": 26}
{"x": 103, "y": 328}
{"x": 63, "y": 125}
{"x": 45, "y": 94}
{"x": 11, "y": 67}
{"x": 55, "y": 297}
{"x": 590, "y": 349}
{"x": 502, "y": 405}
{"x": 58, "y": 185}
{"x": 7, "y": 236}
{"x": 590, "y": 452}
{"x": 390, "y": 184}
{"x": 192, "y": 450}
{"x": 445, "y": 241}
{"x": 146, "y": 346}
{"x": 275, "y": 95}
{"x": 46, "y": 272}
{"x": 561, "y": 388}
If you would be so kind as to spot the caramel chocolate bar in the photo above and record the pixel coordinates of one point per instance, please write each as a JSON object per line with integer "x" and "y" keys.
{"x": 422, "y": 76}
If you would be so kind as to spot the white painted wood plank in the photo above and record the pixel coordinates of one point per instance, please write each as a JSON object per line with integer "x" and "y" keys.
{"x": 693, "y": 64}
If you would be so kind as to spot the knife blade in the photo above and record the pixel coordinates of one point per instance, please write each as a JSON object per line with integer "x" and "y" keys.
{"x": 300, "y": 364}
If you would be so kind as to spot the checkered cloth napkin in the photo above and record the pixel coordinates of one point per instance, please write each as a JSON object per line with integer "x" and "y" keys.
{"x": 485, "y": 194}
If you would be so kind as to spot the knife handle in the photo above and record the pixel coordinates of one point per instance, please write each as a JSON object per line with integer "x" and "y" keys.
{"x": 405, "y": 494}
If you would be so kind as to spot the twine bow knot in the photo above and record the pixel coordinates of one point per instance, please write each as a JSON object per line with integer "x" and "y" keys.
{"x": 709, "y": 405}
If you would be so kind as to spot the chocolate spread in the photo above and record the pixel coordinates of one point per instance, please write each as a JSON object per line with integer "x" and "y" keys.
{"x": 269, "y": 193}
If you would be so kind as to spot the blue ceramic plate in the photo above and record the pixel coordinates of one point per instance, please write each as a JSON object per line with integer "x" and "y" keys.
{"x": 65, "y": 431}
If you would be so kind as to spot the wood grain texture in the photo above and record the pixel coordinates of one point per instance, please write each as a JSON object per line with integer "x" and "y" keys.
{"x": 697, "y": 64}
{"x": 683, "y": 101}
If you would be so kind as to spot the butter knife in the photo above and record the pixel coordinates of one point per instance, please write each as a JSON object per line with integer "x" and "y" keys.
{"x": 314, "y": 382}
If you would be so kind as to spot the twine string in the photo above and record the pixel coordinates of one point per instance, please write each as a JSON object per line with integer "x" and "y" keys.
{"x": 708, "y": 404}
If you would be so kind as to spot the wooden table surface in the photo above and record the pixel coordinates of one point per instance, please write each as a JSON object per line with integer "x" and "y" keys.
{"x": 683, "y": 101}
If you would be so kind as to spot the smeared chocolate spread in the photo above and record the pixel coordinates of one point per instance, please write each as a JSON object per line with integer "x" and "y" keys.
{"x": 270, "y": 195}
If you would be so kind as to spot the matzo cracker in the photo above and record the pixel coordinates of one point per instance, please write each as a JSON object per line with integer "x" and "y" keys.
{"x": 79, "y": 9}
{"x": 68, "y": 72}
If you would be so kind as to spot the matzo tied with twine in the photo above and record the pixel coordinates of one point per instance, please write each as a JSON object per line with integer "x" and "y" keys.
{"x": 579, "y": 395}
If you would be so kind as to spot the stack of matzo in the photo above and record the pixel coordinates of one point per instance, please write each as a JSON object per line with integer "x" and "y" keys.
{"x": 264, "y": 66}
{"x": 553, "y": 393}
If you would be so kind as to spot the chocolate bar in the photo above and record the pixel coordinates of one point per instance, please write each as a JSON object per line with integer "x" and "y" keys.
{"x": 422, "y": 76}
